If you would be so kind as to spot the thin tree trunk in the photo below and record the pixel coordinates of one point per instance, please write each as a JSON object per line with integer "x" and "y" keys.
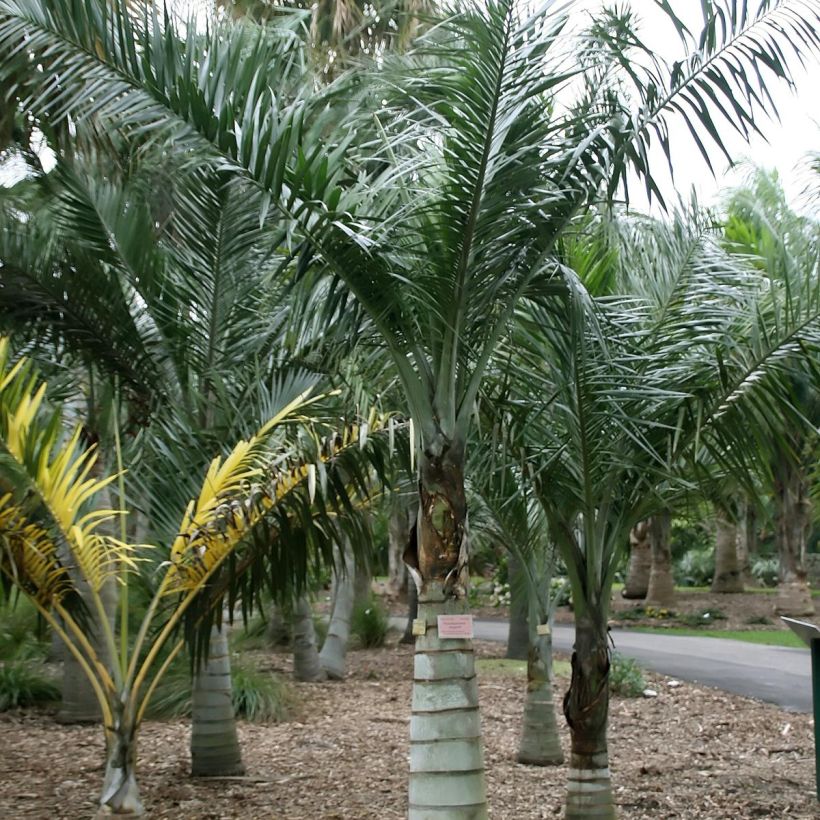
{"x": 334, "y": 650}
{"x": 518, "y": 640}
{"x": 278, "y": 631}
{"x": 540, "y": 744}
{"x": 661, "y": 591}
{"x": 398, "y": 534}
{"x": 215, "y": 748}
{"x": 120, "y": 793}
{"x": 640, "y": 562}
{"x": 586, "y": 708}
{"x": 727, "y": 570}
{"x": 792, "y": 521}
{"x": 744, "y": 543}
{"x": 306, "y": 666}
{"x": 446, "y": 754}
{"x": 412, "y": 611}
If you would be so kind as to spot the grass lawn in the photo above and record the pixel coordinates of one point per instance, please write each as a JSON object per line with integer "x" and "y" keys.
{"x": 815, "y": 593}
{"x": 770, "y": 637}
{"x": 503, "y": 666}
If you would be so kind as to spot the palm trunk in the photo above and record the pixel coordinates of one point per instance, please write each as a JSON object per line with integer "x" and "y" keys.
{"x": 640, "y": 562}
{"x": 120, "y": 793}
{"x": 586, "y": 708}
{"x": 518, "y": 641}
{"x": 727, "y": 570}
{"x": 215, "y": 748}
{"x": 278, "y": 631}
{"x": 792, "y": 519}
{"x": 446, "y": 753}
{"x": 306, "y": 666}
{"x": 334, "y": 650}
{"x": 540, "y": 744}
{"x": 398, "y": 534}
{"x": 412, "y": 612}
{"x": 661, "y": 591}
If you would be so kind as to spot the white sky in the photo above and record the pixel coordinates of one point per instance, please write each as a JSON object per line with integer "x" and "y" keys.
{"x": 789, "y": 140}
{"x": 786, "y": 142}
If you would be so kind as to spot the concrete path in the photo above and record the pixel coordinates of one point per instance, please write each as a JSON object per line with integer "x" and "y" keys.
{"x": 774, "y": 674}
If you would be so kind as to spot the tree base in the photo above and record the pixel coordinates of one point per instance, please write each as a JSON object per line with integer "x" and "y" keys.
{"x": 794, "y": 599}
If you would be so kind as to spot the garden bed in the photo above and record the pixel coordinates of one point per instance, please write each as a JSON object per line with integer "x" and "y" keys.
{"x": 690, "y": 752}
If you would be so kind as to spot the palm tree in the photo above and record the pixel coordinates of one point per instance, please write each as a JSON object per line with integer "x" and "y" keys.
{"x": 785, "y": 244}
{"x": 438, "y": 219}
{"x": 47, "y": 529}
{"x": 647, "y": 393}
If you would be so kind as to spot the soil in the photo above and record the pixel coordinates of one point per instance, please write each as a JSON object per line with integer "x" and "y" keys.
{"x": 689, "y": 752}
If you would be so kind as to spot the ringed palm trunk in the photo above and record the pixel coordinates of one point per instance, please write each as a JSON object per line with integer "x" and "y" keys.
{"x": 586, "y": 708}
{"x": 446, "y": 754}
{"x": 540, "y": 744}
{"x": 727, "y": 569}
{"x": 334, "y": 650}
{"x": 215, "y": 748}
{"x": 306, "y": 665}
{"x": 792, "y": 524}
{"x": 661, "y": 590}
{"x": 518, "y": 641}
{"x": 640, "y": 562}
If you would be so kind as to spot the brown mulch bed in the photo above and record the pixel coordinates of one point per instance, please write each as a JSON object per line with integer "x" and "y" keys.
{"x": 690, "y": 752}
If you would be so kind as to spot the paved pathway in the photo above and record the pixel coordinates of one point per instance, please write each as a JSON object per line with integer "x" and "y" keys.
{"x": 775, "y": 674}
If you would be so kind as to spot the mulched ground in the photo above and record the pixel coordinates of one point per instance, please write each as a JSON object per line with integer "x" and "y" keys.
{"x": 690, "y": 752}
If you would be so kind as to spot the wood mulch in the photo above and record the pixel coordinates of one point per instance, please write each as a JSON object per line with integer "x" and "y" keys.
{"x": 690, "y": 752}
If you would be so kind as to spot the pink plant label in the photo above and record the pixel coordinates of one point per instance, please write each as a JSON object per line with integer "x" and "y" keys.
{"x": 455, "y": 626}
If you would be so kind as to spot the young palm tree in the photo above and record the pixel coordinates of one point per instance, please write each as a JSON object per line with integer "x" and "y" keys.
{"x": 50, "y": 537}
{"x": 443, "y": 215}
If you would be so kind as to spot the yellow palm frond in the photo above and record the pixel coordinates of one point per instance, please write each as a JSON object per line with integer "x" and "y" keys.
{"x": 60, "y": 476}
{"x": 235, "y": 498}
{"x": 28, "y": 555}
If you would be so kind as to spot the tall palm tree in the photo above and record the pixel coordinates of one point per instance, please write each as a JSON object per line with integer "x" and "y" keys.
{"x": 647, "y": 393}
{"x": 785, "y": 246}
{"x": 438, "y": 221}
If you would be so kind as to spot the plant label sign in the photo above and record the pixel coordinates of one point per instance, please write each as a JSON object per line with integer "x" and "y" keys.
{"x": 455, "y": 626}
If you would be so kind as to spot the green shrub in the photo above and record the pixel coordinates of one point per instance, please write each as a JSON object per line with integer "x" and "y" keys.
{"x": 25, "y": 683}
{"x": 259, "y": 696}
{"x": 369, "y": 624}
{"x": 759, "y": 620}
{"x": 625, "y": 677}
{"x": 560, "y": 591}
{"x": 21, "y": 632}
{"x": 695, "y": 569}
{"x": 766, "y": 571}
{"x": 703, "y": 618}
{"x": 252, "y": 635}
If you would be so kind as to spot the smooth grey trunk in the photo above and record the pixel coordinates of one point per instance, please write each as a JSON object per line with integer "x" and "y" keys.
{"x": 306, "y": 665}
{"x": 540, "y": 744}
{"x": 640, "y": 562}
{"x": 792, "y": 516}
{"x": 215, "y": 748}
{"x": 120, "y": 793}
{"x": 334, "y": 650}
{"x": 518, "y": 640}
{"x": 79, "y": 703}
{"x": 412, "y": 612}
{"x": 278, "y": 629}
{"x": 745, "y": 530}
{"x": 446, "y": 754}
{"x": 727, "y": 569}
{"x": 661, "y": 590}
{"x": 400, "y": 523}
